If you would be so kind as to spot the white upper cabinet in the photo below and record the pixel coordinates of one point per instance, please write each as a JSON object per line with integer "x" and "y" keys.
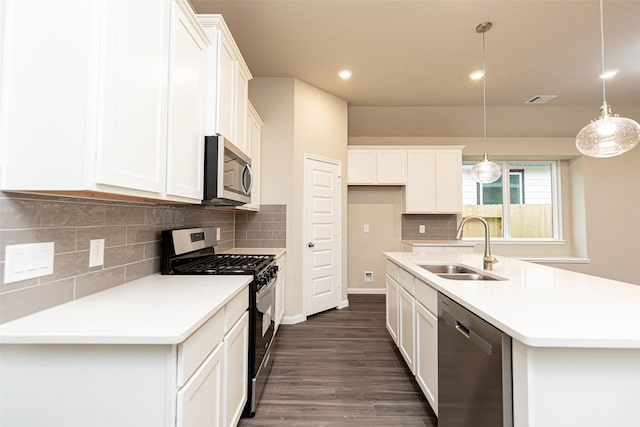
{"x": 434, "y": 181}
{"x": 254, "y": 141}
{"x": 376, "y": 166}
{"x": 185, "y": 158}
{"x": 87, "y": 90}
{"x": 226, "y": 84}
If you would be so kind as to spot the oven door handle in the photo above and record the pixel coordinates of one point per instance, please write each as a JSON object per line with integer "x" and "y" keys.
{"x": 266, "y": 289}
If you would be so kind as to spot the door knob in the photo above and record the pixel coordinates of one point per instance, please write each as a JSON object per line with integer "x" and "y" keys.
{"x": 311, "y": 244}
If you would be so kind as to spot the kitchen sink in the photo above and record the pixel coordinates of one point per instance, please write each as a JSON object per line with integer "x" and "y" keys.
{"x": 466, "y": 276}
{"x": 447, "y": 269}
{"x": 458, "y": 272}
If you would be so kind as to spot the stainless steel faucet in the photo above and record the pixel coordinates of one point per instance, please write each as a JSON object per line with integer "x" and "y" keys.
{"x": 488, "y": 259}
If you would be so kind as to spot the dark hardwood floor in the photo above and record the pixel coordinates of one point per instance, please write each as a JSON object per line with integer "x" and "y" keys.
{"x": 341, "y": 368}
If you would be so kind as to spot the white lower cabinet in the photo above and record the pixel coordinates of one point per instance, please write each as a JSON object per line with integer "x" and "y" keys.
{"x": 406, "y": 337}
{"x": 200, "y": 382}
{"x": 236, "y": 351}
{"x": 412, "y": 322}
{"x": 426, "y": 360}
{"x": 392, "y": 308}
{"x": 200, "y": 400}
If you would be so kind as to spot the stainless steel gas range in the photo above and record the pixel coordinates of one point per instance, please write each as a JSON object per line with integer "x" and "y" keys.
{"x": 191, "y": 251}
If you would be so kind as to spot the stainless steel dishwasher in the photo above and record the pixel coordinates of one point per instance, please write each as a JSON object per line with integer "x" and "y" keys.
{"x": 474, "y": 370}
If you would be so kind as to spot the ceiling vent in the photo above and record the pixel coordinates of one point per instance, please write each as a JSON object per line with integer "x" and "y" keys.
{"x": 540, "y": 99}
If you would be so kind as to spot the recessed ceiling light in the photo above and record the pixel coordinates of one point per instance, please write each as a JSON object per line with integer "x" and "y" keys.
{"x": 608, "y": 74}
{"x": 345, "y": 74}
{"x": 476, "y": 75}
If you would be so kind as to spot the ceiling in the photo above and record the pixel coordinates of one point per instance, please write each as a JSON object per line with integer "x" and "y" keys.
{"x": 419, "y": 53}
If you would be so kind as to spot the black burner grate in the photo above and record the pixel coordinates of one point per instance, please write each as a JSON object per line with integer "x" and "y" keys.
{"x": 227, "y": 264}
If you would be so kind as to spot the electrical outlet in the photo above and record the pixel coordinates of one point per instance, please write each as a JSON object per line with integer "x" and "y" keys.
{"x": 96, "y": 252}
{"x": 421, "y": 230}
{"x": 366, "y": 228}
{"x": 368, "y": 276}
{"x": 218, "y": 234}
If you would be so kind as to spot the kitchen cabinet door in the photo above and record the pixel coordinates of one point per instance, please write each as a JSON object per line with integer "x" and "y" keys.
{"x": 242, "y": 98}
{"x": 132, "y": 133}
{"x": 199, "y": 402}
{"x": 405, "y": 334}
{"x": 226, "y": 84}
{"x": 236, "y": 351}
{"x": 392, "y": 308}
{"x": 185, "y": 154}
{"x": 434, "y": 181}
{"x": 391, "y": 166}
{"x": 420, "y": 192}
{"x": 361, "y": 165}
{"x": 376, "y": 167}
{"x": 426, "y": 359}
{"x": 449, "y": 181}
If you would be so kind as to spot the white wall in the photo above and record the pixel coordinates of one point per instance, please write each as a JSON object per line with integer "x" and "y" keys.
{"x": 298, "y": 119}
{"x": 381, "y": 209}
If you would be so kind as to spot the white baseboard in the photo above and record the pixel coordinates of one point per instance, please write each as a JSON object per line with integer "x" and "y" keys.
{"x": 343, "y": 304}
{"x": 292, "y": 320}
{"x": 367, "y": 291}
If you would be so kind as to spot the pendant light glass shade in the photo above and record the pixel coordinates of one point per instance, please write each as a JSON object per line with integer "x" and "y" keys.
{"x": 607, "y": 135}
{"x": 486, "y": 171}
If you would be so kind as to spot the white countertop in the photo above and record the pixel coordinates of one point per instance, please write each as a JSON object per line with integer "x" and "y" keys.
{"x": 153, "y": 310}
{"x": 440, "y": 243}
{"x": 538, "y": 305}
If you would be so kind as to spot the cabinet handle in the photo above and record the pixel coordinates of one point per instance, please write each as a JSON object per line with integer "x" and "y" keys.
{"x": 311, "y": 244}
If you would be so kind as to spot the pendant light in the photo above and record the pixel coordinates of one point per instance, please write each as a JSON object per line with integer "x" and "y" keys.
{"x": 607, "y": 135}
{"x": 485, "y": 171}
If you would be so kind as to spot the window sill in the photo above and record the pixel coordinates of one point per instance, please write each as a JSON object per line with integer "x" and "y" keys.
{"x": 498, "y": 241}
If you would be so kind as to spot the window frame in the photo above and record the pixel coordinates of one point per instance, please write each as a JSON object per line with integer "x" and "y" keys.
{"x": 556, "y": 199}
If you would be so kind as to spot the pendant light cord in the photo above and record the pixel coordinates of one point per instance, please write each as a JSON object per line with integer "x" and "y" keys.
{"x": 604, "y": 86}
{"x": 484, "y": 95}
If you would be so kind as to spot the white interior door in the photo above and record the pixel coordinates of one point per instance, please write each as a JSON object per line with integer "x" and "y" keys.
{"x": 323, "y": 271}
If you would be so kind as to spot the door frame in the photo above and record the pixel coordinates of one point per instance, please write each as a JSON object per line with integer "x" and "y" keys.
{"x": 305, "y": 232}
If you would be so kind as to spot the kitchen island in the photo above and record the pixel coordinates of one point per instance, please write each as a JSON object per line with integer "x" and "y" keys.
{"x": 576, "y": 338}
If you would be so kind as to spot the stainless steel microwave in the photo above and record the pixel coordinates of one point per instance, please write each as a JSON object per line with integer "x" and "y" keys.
{"x": 227, "y": 173}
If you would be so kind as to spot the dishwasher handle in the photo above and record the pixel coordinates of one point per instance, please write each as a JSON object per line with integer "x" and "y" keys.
{"x": 468, "y": 333}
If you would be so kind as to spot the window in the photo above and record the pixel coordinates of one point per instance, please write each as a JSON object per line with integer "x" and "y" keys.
{"x": 527, "y": 208}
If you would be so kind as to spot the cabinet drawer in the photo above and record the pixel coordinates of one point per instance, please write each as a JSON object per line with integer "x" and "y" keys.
{"x": 197, "y": 347}
{"x": 406, "y": 280}
{"x": 236, "y": 308}
{"x": 392, "y": 271}
{"x": 426, "y": 296}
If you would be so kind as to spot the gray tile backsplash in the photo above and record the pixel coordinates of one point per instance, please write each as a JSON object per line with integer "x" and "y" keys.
{"x": 264, "y": 229}
{"x": 132, "y": 243}
{"x": 437, "y": 227}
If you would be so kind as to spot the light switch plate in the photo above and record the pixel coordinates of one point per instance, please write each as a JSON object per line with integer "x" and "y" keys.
{"x": 366, "y": 228}
{"x": 218, "y": 234}
{"x": 96, "y": 252}
{"x": 28, "y": 261}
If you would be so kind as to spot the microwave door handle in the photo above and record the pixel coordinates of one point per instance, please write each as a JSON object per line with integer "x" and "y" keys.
{"x": 246, "y": 169}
